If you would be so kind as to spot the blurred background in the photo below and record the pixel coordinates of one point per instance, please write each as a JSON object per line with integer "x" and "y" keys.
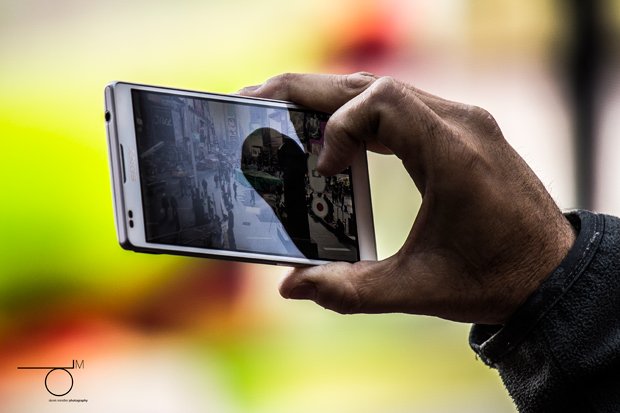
{"x": 169, "y": 334}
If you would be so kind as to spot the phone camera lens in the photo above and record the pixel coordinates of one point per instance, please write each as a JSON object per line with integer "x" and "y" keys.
{"x": 130, "y": 223}
{"x": 108, "y": 116}
{"x": 130, "y": 213}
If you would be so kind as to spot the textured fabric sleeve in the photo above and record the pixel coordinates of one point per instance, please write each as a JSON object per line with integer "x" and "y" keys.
{"x": 560, "y": 352}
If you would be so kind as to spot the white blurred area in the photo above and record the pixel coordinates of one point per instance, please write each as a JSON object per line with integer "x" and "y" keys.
{"x": 607, "y": 194}
{"x": 607, "y": 191}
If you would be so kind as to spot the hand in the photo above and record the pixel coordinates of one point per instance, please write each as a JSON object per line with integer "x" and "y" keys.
{"x": 487, "y": 233}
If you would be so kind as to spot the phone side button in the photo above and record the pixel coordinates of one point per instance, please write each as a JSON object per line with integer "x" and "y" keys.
{"x": 123, "y": 163}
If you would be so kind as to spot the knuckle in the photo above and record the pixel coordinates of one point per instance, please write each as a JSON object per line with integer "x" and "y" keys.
{"x": 387, "y": 91}
{"x": 287, "y": 78}
{"x": 335, "y": 126}
{"x": 478, "y": 114}
{"x": 386, "y": 87}
{"x": 344, "y": 304}
{"x": 482, "y": 120}
{"x": 343, "y": 298}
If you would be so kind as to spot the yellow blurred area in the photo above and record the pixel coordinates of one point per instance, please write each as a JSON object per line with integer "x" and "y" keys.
{"x": 169, "y": 334}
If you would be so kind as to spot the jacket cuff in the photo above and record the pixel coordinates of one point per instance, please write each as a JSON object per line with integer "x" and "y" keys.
{"x": 493, "y": 342}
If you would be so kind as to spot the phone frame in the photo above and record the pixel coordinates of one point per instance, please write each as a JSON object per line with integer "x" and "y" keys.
{"x": 127, "y": 193}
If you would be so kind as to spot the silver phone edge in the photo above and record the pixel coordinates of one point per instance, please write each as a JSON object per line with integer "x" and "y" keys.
{"x": 116, "y": 167}
{"x": 366, "y": 238}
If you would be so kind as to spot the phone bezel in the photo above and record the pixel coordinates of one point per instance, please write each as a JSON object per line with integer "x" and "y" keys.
{"x": 127, "y": 194}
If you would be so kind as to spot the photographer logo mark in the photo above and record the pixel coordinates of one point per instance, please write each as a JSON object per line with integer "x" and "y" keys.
{"x": 58, "y": 380}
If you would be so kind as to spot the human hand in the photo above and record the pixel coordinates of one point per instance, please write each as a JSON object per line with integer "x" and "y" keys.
{"x": 487, "y": 232}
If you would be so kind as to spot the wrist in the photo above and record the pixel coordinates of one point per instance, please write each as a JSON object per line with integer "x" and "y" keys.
{"x": 545, "y": 257}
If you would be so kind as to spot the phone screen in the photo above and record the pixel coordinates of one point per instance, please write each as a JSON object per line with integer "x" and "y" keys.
{"x": 240, "y": 176}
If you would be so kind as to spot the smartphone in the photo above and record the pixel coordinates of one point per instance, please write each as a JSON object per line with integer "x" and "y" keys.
{"x": 231, "y": 177}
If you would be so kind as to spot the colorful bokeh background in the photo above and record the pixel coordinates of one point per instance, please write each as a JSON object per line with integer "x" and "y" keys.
{"x": 170, "y": 334}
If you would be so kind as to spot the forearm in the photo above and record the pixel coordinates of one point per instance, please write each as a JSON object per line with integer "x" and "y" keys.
{"x": 561, "y": 349}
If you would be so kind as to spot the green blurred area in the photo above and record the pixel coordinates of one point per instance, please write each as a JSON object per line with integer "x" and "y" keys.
{"x": 343, "y": 366}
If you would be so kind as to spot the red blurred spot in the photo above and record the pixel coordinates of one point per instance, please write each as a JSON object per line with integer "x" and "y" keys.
{"x": 205, "y": 290}
{"x": 365, "y": 38}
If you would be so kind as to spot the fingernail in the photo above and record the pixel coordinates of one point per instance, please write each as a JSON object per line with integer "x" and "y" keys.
{"x": 248, "y": 89}
{"x": 304, "y": 291}
{"x": 360, "y": 79}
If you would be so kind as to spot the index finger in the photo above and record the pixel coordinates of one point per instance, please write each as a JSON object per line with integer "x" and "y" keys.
{"x": 322, "y": 92}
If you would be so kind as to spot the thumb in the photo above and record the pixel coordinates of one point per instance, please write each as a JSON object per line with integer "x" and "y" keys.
{"x": 343, "y": 287}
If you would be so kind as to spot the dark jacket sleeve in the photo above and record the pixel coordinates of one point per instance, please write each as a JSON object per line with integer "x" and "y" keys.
{"x": 560, "y": 352}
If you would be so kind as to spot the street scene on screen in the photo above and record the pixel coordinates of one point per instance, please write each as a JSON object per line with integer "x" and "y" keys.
{"x": 240, "y": 177}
